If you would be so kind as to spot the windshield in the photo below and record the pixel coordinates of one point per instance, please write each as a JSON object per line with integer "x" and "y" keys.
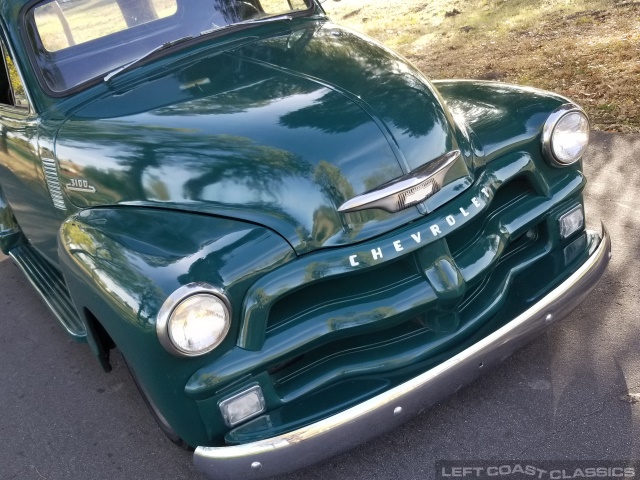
{"x": 78, "y": 40}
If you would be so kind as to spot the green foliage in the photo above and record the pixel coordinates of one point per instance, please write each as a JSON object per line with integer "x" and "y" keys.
{"x": 18, "y": 88}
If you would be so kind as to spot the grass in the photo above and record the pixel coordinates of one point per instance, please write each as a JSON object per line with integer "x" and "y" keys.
{"x": 89, "y": 20}
{"x": 86, "y": 21}
{"x": 588, "y": 50}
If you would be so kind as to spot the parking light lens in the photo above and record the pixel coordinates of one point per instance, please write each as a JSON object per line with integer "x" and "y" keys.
{"x": 243, "y": 406}
{"x": 571, "y": 222}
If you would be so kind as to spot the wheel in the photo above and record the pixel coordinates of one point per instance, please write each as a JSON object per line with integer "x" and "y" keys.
{"x": 155, "y": 413}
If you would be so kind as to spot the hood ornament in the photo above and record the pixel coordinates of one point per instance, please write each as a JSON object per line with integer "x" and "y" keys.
{"x": 406, "y": 191}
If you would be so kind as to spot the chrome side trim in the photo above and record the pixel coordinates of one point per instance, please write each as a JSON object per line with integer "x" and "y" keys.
{"x": 51, "y": 176}
{"x": 406, "y": 191}
{"x": 373, "y": 417}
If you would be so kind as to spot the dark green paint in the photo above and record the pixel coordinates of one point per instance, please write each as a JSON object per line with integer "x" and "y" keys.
{"x": 236, "y": 182}
{"x": 407, "y": 353}
{"x": 10, "y": 234}
{"x": 315, "y": 112}
{"x": 358, "y": 314}
{"x": 23, "y": 180}
{"x": 488, "y": 107}
{"x": 122, "y": 263}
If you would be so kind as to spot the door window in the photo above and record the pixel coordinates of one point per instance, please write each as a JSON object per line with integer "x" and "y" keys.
{"x": 12, "y": 91}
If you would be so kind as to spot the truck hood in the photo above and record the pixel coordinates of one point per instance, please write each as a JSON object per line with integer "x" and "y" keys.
{"x": 279, "y": 132}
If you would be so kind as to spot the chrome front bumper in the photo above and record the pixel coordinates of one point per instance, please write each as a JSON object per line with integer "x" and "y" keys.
{"x": 373, "y": 417}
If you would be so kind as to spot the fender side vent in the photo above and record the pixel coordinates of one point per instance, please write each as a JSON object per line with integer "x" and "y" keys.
{"x": 51, "y": 176}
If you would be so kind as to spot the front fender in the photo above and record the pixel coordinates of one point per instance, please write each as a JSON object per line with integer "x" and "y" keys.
{"x": 502, "y": 117}
{"x": 122, "y": 263}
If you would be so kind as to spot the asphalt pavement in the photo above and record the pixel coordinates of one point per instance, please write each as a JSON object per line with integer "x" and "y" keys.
{"x": 568, "y": 395}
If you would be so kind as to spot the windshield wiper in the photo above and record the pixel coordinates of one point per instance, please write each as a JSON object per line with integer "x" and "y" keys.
{"x": 165, "y": 46}
{"x": 251, "y": 21}
{"x": 150, "y": 53}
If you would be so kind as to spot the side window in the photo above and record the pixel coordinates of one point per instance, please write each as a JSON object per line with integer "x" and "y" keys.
{"x": 12, "y": 90}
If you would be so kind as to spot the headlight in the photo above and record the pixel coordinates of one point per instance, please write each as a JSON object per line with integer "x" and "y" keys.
{"x": 565, "y": 135}
{"x": 193, "y": 320}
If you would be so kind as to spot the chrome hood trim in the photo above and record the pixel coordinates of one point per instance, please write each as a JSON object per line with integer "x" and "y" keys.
{"x": 406, "y": 191}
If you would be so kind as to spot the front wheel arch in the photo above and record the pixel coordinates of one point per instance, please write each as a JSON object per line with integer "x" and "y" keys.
{"x": 99, "y": 340}
{"x": 122, "y": 263}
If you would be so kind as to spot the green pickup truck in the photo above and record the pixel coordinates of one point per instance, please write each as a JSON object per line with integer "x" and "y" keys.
{"x": 295, "y": 240}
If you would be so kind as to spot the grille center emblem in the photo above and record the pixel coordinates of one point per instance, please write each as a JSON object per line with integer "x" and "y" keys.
{"x": 418, "y": 194}
{"x": 406, "y": 191}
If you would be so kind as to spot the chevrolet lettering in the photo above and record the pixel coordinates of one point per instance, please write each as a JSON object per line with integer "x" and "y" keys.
{"x": 429, "y": 231}
{"x": 294, "y": 239}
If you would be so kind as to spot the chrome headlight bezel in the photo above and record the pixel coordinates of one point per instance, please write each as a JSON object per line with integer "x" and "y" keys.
{"x": 549, "y": 129}
{"x": 174, "y": 301}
